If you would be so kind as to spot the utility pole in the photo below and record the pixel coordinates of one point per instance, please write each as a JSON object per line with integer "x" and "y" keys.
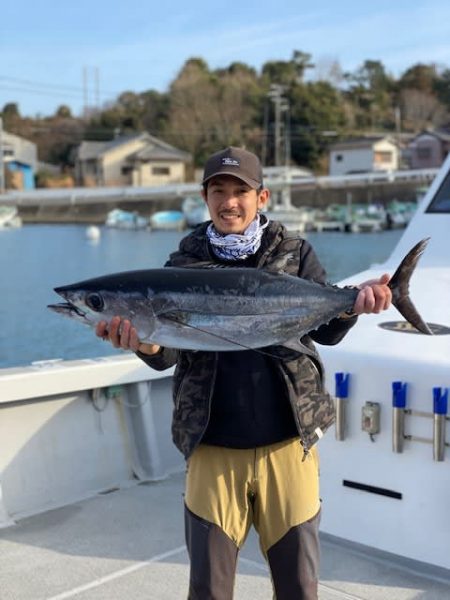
{"x": 275, "y": 94}
{"x": 97, "y": 88}
{"x": 2, "y": 162}
{"x": 85, "y": 93}
{"x": 280, "y": 105}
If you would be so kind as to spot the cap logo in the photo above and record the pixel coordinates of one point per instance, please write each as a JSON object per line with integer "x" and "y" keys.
{"x": 231, "y": 162}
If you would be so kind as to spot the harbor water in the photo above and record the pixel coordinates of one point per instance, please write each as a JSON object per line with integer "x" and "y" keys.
{"x": 36, "y": 258}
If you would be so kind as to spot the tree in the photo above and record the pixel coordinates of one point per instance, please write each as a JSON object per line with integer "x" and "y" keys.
{"x": 420, "y": 77}
{"x": 442, "y": 88}
{"x": 63, "y": 112}
{"x": 302, "y": 61}
{"x": 317, "y": 111}
{"x": 11, "y": 110}
{"x": 329, "y": 70}
{"x": 421, "y": 110}
{"x": 371, "y": 93}
{"x": 210, "y": 109}
{"x": 11, "y": 117}
{"x": 287, "y": 72}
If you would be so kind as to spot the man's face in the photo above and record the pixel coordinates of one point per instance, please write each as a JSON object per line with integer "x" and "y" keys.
{"x": 232, "y": 203}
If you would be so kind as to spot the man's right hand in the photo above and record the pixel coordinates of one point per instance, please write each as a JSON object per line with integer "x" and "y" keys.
{"x": 123, "y": 335}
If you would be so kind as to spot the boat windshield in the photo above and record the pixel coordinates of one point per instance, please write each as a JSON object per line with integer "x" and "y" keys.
{"x": 441, "y": 201}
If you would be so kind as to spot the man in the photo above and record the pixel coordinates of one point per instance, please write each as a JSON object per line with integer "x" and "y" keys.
{"x": 247, "y": 421}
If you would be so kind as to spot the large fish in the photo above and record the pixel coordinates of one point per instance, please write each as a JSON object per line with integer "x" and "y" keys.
{"x": 223, "y": 308}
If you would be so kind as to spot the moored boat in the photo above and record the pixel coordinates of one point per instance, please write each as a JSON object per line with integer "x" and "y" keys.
{"x": 9, "y": 217}
{"x": 125, "y": 219}
{"x": 168, "y": 220}
{"x": 195, "y": 210}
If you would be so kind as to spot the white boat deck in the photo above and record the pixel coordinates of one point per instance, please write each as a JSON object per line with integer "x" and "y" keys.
{"x": 129, "y": 544}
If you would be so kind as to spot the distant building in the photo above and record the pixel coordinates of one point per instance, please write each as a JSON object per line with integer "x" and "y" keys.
{"x": 362, "y": 155}
{"x": 429, "y": 149}
{"x": 138, "y": 160}
{"x": 20, "y": 161}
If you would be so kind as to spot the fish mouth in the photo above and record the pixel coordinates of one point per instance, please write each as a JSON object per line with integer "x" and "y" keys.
{"x": 67, "y": 308}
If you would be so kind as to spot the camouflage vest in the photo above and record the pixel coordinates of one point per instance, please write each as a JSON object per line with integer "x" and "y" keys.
{"x": 195, "y": 373}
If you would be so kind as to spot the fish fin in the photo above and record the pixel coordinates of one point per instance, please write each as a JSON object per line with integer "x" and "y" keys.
{"x": 296, "y": 344}
{"x": 399, "y": 285}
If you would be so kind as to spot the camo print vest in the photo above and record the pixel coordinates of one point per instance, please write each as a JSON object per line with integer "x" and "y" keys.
{"x": 195, "y": 372}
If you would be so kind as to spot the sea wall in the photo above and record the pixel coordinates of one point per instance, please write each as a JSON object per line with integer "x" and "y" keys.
{"x": 85, "y": 206}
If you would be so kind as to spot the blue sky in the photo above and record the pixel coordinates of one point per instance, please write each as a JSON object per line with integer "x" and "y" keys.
{"x": 45, "y": 46}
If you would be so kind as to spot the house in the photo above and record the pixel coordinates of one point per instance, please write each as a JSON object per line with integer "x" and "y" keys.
{"x": 429, "y": 149}
{"x": 19, "y": 161}
{"x": 362, "y": 155}
{"x": 138, "y": 160}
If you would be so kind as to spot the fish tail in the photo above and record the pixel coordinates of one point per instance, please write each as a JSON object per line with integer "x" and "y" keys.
{"x": 399, "y": 285}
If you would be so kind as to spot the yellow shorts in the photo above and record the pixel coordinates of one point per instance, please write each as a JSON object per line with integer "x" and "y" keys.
{"x": 270, "y": 487}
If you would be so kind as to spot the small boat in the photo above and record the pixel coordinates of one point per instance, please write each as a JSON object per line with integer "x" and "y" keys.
{"x": 9, "y": 217}
{"x": 195, "y": 210}
{"x": 281, "y": 209}
{"x": 399, "y": 214}
{"x": 293, "y": 218}
{"x": 168, "y": 220}
{"x": 367, "y": 219}
{"x": 333, "y": 218}
{"x": 124, "y": 219}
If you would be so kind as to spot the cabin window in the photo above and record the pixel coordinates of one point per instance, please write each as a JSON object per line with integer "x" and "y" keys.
{"x": 441, "y": 201}
{"x": 126, "y": 170}
{"x": 339, "y": 158}
{"x": 383, "y": 157}
{"x": 160, "y": 171}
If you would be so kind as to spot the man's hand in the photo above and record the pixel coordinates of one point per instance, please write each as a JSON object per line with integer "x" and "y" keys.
{"x": 123, "y": 335}
{"x": 374, "y": 296}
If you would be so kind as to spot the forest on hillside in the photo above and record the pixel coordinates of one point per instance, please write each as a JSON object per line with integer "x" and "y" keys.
{"x": 290, "y": 111}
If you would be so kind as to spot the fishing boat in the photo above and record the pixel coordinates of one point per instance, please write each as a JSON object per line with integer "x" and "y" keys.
{"x": 332, "y": 218}
{"x": 367, "y": 218}
{"x": 168, "y": 220}
{"x": 195, "y": 210}
{"x": 125, "y": 219}
{"x": 384, "y": 470}
{"x": 9, "y": 217}
{"x": 281, "y": 209}
{"x": 91, "y": 484}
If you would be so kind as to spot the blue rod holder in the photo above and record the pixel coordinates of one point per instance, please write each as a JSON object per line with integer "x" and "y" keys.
{"x": 399, "y": 394}
{"x": 342, "y": 383}
{"x": 440, "y": 400}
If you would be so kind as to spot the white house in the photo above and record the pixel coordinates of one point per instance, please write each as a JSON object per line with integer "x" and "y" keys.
{"x": 138, "y": 160}
{"x": 364, "y": 155}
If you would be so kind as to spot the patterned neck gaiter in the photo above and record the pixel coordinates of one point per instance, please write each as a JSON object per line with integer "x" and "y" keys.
{"x": 236, "y": 246}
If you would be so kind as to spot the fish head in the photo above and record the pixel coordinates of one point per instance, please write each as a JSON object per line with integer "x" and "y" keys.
{"x": 90, "y": 304}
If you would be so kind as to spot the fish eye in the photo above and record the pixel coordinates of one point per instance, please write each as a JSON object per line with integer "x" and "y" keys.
{"x": 95, "y": 301}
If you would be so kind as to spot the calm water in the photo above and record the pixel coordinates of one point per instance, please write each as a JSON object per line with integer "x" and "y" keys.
{"x": 36, "y": 258}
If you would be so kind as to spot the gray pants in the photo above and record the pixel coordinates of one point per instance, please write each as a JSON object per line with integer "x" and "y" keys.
{"x": 293, "y": 561}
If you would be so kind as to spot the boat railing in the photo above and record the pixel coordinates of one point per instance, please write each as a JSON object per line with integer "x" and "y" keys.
{"x": 73, "y": 429}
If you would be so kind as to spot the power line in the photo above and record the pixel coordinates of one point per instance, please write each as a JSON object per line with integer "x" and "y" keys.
{"x": 37, "y": 84}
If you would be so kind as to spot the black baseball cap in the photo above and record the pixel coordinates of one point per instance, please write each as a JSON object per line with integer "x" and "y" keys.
{"x": 237, "y": 162}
